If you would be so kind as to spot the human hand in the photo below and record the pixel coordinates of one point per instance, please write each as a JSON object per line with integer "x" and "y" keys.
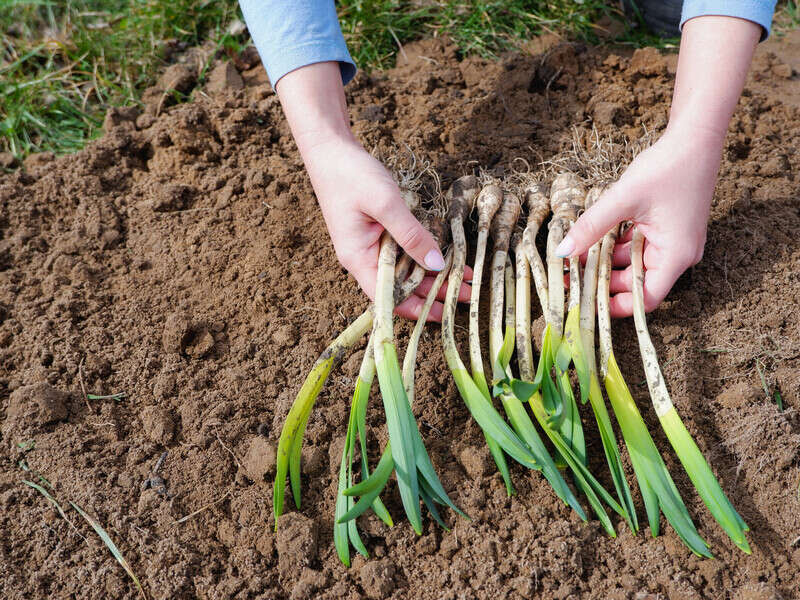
{"x": 357, "y": 195}
{"x": 359, "y": 198}
{"x": 666, "y": 192}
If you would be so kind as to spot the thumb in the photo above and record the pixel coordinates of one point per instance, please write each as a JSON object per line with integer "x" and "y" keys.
{"x": 613, "y": 207}
{"x": 411, "y": 236}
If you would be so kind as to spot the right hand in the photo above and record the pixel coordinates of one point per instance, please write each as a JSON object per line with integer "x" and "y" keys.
{"x": 359, "y": 198}
{"x": 357, "y": 195}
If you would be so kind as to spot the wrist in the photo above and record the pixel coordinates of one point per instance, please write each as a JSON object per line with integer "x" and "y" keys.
{"x": 696, "y": 133}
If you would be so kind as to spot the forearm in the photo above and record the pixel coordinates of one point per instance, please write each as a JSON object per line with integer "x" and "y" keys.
{"x": 714, "y": 58}
{"x": 314, "y": 104}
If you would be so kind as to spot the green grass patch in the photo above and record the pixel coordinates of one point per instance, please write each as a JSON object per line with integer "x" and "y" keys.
{"x": 63, "y": 63}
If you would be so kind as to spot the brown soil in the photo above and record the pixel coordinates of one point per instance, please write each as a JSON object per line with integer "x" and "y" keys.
{"x": 181, "y": 259}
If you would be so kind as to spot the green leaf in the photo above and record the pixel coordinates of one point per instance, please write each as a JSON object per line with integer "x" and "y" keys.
{"x": 658, "y": 489}
{"x": 490, "y": 421}
{"x": 395, "y": 404}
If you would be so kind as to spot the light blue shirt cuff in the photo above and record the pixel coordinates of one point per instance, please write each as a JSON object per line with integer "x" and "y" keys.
{"x": 290, "y": 34}
{"x": 757, "y": 11}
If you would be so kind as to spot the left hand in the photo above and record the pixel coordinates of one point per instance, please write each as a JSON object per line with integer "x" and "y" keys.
{"x": 666, "y": 192}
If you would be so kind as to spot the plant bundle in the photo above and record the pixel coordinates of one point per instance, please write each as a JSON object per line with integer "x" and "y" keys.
{"x": 548, "y": 386}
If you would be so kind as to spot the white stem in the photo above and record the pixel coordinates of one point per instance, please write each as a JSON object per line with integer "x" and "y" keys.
{"x": 410, "y": 359}
{"x": 523, "y": 316}
{"x": 384, "y": 295}
{"x": 655, "y": 379}
{"x": 603, "y": 296}
{"x": 476, "y": 360}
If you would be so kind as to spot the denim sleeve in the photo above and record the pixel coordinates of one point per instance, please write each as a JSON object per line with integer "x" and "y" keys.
{"x": 757, "y": 11}
{"x": 290, "y": 34}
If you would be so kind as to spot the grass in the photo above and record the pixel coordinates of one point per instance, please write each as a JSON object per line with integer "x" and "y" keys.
{"x": 64, "y": 62}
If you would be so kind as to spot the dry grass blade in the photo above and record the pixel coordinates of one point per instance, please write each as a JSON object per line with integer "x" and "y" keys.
{"x": 111, "y": 546}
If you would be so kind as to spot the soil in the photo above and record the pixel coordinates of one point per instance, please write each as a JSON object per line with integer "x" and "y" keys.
{"x": 181, "y": 259}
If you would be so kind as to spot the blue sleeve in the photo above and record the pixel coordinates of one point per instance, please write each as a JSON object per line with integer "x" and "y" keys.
{"x": 757, "y": 11}
{"x": 290, "y": 34}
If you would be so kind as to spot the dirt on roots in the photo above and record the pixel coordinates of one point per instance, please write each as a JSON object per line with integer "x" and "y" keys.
{"x": 182, "y": 260}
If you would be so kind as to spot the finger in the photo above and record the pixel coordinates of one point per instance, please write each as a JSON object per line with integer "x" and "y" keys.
{"x": 412, "y": 307}
{"x": 614, "y": 206}
{"x": 622, "y": 255}
{"x": 409, "y": 233}
{"x": 621, "y": 305}
{"x": 621, "y": 280}
{"x": 464, "y": 293}
{"x": 468, "y": 273}
{"x": 365, "y": 271}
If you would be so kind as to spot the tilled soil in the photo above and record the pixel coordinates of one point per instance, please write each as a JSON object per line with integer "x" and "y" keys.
{"x": 182, "y": 260}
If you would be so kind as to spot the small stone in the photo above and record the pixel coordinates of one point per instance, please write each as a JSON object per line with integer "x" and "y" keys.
{"x": 296, "y": 541}
{"x": 176, "y": 333}
{"x": 259, "y": 459}
{"x": 158, "y": 424}
{"x": 224, "y": 77}
{"x": 377, "y": 578}
{"x": 475, "y": 461}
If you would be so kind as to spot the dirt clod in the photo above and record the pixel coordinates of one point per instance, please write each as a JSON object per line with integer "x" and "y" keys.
{"x": 224, "y": 77}
{"x": 475, "y": 461}
{"x": 377, "y": 578}
{"x": 177, "y": 330}
{"x": 158, "y": 424}
{"x": 32, "y": 406}
{"x": 259, "y": 460}
{"x": 297, "y": 544}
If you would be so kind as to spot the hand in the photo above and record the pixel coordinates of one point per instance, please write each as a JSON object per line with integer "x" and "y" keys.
{"x": 358, "y": 198}
{"x": 666, "y": 192}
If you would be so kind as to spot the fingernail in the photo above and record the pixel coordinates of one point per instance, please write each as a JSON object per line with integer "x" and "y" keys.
{"x": 434, "y": 260}
{"x": 565, "y": 248}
